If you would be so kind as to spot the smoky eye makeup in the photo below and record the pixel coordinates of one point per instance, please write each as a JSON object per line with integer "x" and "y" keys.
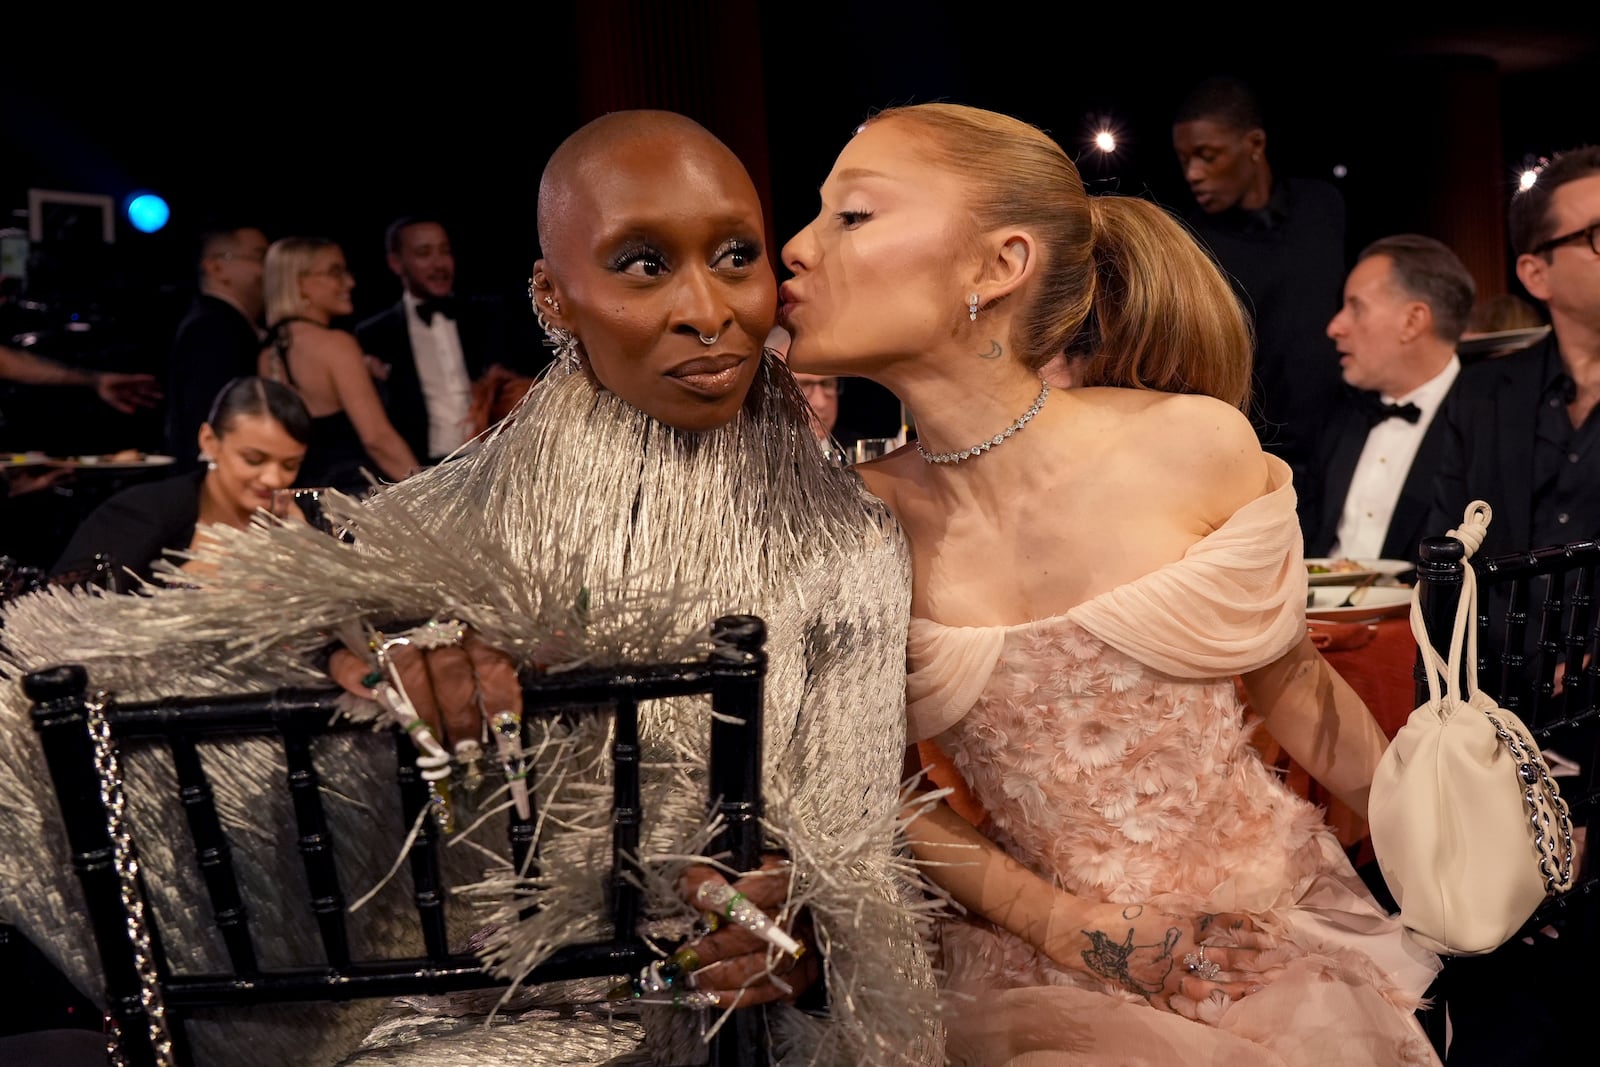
{"x": 637, "y": 254}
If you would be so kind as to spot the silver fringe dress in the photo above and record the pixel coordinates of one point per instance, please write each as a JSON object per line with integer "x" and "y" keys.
{"x": 580, "y": 532}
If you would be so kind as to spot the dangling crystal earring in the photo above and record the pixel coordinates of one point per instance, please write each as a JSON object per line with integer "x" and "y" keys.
{"x": 972, "y": 307}
{"x": 210, "y": 463}
{"x": 559, "y": 340}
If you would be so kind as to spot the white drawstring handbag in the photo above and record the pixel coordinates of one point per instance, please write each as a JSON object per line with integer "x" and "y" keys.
{"x": 1467, "y": 824}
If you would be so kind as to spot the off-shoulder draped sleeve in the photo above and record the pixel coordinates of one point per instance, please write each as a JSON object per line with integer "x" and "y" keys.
{"x": 1233, "y": 603}
{"x": 949, "y": 666}
{"x": 1236, "y": 601}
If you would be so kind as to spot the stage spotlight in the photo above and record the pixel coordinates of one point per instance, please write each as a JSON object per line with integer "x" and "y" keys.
{"x": 147, "y": 212}
{"x": 1106, "y": 141}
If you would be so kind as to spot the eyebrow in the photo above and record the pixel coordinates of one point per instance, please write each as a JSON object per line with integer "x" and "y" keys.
{"x": 856, "y": 174}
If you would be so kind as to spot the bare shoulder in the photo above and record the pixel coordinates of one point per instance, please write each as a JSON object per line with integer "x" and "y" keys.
{"x": 1197, "y": 448}
{"x": 331, "y": 343}
{"x": 1189, "y": 419}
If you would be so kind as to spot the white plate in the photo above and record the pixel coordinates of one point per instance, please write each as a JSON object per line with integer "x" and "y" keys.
{"x": 1375, "y": 602}
{"x": 1383, "y": 568}
{"x": 106, "y": 463}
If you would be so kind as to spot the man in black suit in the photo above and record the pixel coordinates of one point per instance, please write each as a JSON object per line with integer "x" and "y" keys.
{"x": 1406, "y": 302}
{"x": 436, "y": 344}
{"x": 219, "y": 337}
{"x": 1522, "y": 433}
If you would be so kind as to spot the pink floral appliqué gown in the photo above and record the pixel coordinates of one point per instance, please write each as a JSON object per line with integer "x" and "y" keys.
{"x": 1111, "y": 755}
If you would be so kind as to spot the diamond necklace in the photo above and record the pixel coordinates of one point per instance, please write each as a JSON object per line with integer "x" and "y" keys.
{"x": 985, "y": 445}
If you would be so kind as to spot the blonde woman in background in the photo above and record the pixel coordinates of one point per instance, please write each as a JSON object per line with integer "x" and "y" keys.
{"x": 307, "y": 286}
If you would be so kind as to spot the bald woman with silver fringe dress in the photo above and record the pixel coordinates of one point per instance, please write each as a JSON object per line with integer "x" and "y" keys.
{"x": 652, "y": 481}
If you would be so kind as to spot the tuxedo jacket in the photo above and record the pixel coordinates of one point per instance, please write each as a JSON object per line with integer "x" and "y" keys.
{"x": 489, "y": 334}
{"x": 1343, "y": 439}
{"x": 1490, "y": 424}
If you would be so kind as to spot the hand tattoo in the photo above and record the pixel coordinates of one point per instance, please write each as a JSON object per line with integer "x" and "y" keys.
{"x": 1141, "y": 968}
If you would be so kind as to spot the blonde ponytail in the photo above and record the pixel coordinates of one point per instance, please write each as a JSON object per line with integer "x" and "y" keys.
{"x": 1163, "y": 316}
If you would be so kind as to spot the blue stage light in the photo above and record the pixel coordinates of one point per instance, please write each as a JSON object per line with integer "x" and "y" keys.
{"x": 148, "y": 212}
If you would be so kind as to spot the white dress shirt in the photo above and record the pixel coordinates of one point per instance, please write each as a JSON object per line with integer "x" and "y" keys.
{"x": 1382, "y": 469}
{"x": 442, "y": 370}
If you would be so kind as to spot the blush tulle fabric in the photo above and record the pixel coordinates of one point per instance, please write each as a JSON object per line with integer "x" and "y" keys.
{"x": 1111, "y": 755}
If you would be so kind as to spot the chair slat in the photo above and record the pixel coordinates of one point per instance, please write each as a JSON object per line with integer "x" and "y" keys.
{"x": 315, "y": 842}
{"x": 214, "y": 854}
{"x": 627, "y": 816}
{"x": 427, "y": 885}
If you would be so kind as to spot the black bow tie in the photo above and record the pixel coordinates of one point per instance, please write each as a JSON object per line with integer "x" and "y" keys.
{"x": 439, "y": 305}
{"x": 1377, "y": 411}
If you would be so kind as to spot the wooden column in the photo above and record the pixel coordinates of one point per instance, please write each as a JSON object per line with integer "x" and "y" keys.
{"x": 1468, "y": 184}
{"x": 698, "y": 57}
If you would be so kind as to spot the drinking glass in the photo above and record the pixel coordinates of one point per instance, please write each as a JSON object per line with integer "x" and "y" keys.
{"x": 872, "y": 447}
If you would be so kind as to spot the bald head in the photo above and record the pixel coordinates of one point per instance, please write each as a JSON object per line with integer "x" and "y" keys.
{"x": 640, "y": 136}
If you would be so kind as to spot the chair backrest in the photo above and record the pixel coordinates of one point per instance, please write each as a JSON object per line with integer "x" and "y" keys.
{"x": 68, "y": 718}
{"x": 1547, "y": 673}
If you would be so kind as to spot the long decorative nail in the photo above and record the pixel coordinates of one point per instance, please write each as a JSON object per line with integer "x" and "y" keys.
{"x": 734, "y": 906}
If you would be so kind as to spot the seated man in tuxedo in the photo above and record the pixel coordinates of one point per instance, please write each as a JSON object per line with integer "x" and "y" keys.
{"x": 438, "y": 345}
{"x": 1406, "y": 302}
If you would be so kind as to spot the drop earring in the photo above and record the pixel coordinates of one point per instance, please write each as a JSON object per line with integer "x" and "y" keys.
{"x": 972, "y": 307}
{"x": 210, "y": 463}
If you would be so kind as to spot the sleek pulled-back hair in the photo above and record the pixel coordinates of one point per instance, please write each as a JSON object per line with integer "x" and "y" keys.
{"x": 288, "y": 259}
{"x": 251, "y": 395}
{"x": 1529, "y": 217}
{"x": 1122, "y": 288}
{"x": 1427, "y": 270}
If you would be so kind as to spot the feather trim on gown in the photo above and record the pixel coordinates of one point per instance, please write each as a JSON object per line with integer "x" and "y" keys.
{"x": 1110, "y": 753}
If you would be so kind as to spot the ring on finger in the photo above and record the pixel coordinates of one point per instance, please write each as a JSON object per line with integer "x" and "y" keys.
{"x": 1200, "y": 967}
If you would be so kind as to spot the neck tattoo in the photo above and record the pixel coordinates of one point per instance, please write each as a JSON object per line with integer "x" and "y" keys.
{"x": 984, "y": 445}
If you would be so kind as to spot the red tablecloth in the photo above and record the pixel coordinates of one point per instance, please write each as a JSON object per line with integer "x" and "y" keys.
{"x": 1375, "y": 658}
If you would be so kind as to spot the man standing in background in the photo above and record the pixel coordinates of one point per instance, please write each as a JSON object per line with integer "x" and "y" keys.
{"x": 219, "y": 337}
{"x": 1281, "y": 242}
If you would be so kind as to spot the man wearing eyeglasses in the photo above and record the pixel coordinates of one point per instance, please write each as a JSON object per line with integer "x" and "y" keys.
{"x": 1522, "y": 432}
{"x": 1523, "y": 435}
{"x": 219, "y": 337}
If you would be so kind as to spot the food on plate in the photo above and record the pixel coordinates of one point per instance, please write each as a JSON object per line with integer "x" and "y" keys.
{"x": 1337, "y": 566}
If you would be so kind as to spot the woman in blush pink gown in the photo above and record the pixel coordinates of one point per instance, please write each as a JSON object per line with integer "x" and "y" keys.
{"x": 1092, "y": 568}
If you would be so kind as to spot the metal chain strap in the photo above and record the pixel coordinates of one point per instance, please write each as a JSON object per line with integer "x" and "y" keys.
{"x": 127, "y": 866}
{"x": 1537, "y": 786}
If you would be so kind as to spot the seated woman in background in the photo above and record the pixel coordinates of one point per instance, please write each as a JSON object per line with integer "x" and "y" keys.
{"x": 307, "y": 287}
{"x": 252, "y": 444}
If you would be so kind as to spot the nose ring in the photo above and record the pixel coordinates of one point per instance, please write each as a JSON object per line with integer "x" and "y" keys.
{"x": 709, "y": 341}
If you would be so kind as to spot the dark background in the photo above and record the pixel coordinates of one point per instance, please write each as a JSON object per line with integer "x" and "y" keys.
{"x": 285, "y": 117}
